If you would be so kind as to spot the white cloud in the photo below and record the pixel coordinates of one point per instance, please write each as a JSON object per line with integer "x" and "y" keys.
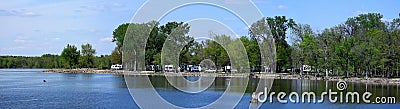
{"x": 95, "y": 7}
{"x": 42, "y": 15}
{"x": 18, "y": 47}
{"x": 23, "y": 37}
{"x": 106, "y": 39}
{"x": 282, "y": 7}
{"x": 18, "y": 12}
{"x": 101, "y": 7}
{"x": 13, "y": 48}
{"x": 385, "y": 20}
{"x": 359, "y": 12}
{"x": 56, "y": 39}
{"x": 115, "y": 4}
{"x": 20, "y": 40}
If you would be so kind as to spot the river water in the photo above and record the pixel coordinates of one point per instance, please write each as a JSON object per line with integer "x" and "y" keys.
{"x": 25, "y": 88}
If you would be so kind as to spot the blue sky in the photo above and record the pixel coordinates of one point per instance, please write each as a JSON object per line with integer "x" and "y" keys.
{"x": 36, "y": 27}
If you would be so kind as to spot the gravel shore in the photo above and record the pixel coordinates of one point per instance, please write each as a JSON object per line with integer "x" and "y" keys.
{"x": 83, "y": 70}
{"x": 256, "y": 75}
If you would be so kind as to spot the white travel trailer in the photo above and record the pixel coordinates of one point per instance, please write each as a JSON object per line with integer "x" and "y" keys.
{"x": 210, "y": 70}
{"x": 116, "y": 67}
{"x": 196, "y": 69}
{"x": 169, "y": 68}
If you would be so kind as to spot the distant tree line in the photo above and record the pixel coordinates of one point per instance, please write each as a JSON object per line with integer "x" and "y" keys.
{"x": 70, "y": 57}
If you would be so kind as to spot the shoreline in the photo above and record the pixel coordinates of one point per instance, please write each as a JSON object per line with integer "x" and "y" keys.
{"x": 391, "y": 81}
{"x": 83, "y": 70}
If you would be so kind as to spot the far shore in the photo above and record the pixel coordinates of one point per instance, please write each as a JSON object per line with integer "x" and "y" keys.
{"x": 391, "y": 81}
{"x": 83, "y": 70}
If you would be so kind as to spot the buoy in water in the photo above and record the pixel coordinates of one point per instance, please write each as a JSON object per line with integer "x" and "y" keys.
{"x": 44, "y": 81}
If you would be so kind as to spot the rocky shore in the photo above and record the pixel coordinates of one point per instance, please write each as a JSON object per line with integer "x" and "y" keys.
{"x": 350, "y": 79}
{"x": 83, "y": 70}
{"x": 262, "y": 75}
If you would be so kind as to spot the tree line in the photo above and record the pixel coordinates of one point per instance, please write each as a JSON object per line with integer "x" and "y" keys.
{"x": 70, "y": 57}
{"x": 364, "y": 45}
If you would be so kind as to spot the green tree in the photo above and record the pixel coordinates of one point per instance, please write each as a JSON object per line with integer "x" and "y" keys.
{"x": 134, "y": 48}
{"x": 87, "y": 58}
{"x": 297, "y": 52}
{"x": 157, "y": 59}
{"x": 361, "y": 26}
{"x": 119, "y": 34}
{"x": 213, "y": 51}
{"x": 154, "y": 44}
{"x": 176, "y": 45}
{"x": 70, "y": 56}
{"x": 116, "y": 56}
{"x": 278, "y": 26}
{"x": 261, "y": 33}
{"x": 103, "y": 62}
{"x": 156, "y": 41}
{"x": 197, "y": 52}
{"x": 253, "y": 50}
{"x": 309, "y": 48}
{"x": 2, "y": 62}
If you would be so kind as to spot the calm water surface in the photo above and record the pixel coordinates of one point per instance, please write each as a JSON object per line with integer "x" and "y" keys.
{"x": 24, "y": 88}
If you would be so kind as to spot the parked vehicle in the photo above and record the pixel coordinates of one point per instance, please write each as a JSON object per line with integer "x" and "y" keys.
{"x": 189, "y": 68}
{"x": 182, "y": 68}
{"x": 155, "y": 68}
{"x": 169, "y": 68}
{"x": 196, "y": 69}
{"x": 226, "y": 69}
{"x": 210, "y": 70}
{"x": 116, "y": 67}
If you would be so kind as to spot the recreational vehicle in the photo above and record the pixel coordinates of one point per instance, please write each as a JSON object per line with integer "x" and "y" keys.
{"x": 116, "y": 67}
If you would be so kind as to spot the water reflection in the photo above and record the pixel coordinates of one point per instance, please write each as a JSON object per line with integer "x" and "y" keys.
{"x": 192, "y": 78}
{"x": 21, "y": 89}
{"x": 221, "y": 90}
{"x": 282, "y": 85}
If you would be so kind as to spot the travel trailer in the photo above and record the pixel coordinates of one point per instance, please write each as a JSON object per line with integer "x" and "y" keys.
{"x": 196, "y": 69}
{"x": 116, "y": 67}
{"x": 169, "y": 68}
{"x": 155, "y": 68}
